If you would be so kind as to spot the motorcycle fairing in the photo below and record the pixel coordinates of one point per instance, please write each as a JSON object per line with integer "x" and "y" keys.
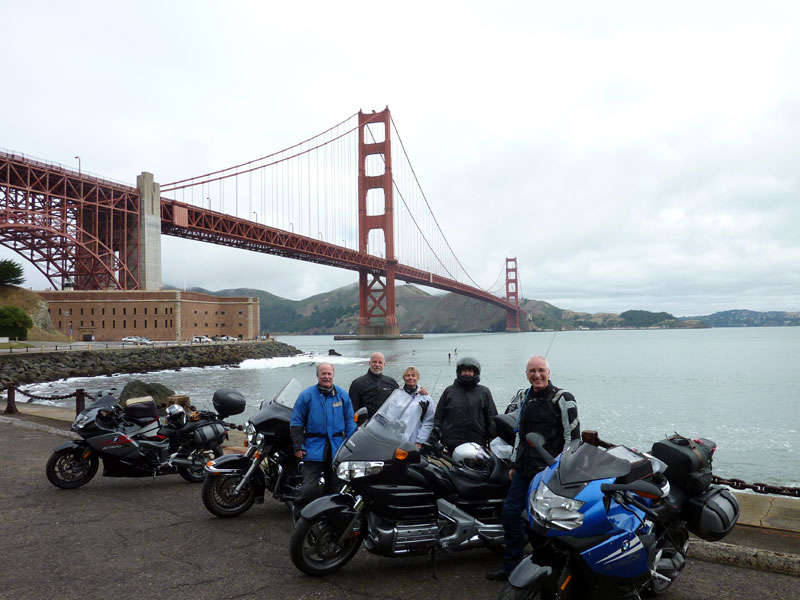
{"x": 337, "y": 507}
{"x": 72, "y": 445}
{"x": 527, "y": 574}
{"x": 623, "y": 554}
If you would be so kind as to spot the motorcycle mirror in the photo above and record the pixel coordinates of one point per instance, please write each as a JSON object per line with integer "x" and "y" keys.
{"x": 641, "y": 488}
{"x": 536, "y": 441}
{"x": 407, "y": 452}
{"x": 361, "y": 416}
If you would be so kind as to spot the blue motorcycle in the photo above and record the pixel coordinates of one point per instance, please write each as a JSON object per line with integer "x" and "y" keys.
{"x": 614, "y": 523}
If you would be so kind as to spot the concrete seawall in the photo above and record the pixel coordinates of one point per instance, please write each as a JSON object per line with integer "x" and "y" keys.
{"x": 20, "y": 369}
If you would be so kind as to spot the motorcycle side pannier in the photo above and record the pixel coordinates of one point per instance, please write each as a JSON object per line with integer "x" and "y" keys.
{"x": 228, "y": 402}
{"x": 209, "y": 436}
{"x": 688, "y": 462}
{"x": 712, "y": 514}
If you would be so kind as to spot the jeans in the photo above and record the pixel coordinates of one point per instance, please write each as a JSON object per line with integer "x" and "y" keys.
{"x": 513, "y": 521}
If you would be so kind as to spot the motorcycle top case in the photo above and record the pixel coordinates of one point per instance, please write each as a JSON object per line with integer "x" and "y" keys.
{"x": 712, "y": 514}
{"x": 688, "y": 462}
{"x": 228, "y": 402}
{"x": 145, "y": 409}
{"x": 209, "y": 436}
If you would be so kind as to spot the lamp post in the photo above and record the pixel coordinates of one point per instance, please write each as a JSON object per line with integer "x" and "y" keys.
{"x": 255, "y": 214}
{"x": 291, "y": 226}
{"x": 79, "y": 165}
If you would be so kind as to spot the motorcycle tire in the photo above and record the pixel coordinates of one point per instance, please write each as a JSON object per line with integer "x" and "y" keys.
{"x": 313, "y": 549}
{"x": 68, "y": 469}
{"x": 197, "y": 473}
{"x": 514, "y": 593}
{"x": 220, "y": 499}
{"x": 656, "y": 586}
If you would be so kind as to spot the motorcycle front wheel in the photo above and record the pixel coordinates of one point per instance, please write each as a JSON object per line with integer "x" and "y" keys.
{"x": 514, "y": 593}
{"x": 314, "y": 549}
{"x": 221, "y": 499}
{"x": 68, "y": 469}
{"x": 196, "y": 473}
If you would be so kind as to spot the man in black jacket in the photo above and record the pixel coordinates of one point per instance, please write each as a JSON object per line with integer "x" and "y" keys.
{"x": 465, "y": 411}
{"x": 553, "y": 413}
{"x": 372, "y": 390}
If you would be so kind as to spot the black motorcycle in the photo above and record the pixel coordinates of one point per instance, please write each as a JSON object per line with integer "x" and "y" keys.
{"x": 235, "y": 481}
{"x": 132, "y": 442}
{"x": 398, "y": 500}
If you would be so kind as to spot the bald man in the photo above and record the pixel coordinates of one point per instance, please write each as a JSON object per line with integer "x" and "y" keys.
{"x": 373, "y": 388}
{"x": 552, "y": 412}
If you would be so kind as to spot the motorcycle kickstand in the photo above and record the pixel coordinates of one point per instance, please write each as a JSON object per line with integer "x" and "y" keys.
{"x": 434, "y": 554}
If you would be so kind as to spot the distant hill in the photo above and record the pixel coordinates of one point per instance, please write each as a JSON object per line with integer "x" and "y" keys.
{"x": 336, "y": 312}
{"x": 750, "y": 318}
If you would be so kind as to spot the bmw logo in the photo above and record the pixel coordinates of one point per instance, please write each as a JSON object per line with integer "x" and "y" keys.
{"x": 625, "y": 545}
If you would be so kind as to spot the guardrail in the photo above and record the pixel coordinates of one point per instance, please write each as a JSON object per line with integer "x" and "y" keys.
{"x": 11, "y": 405}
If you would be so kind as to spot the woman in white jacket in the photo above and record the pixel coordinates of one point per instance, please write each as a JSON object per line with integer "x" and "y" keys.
{"x": 418, "y": 394}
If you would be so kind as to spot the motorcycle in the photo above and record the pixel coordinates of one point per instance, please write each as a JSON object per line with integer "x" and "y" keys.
{"x": 399, "y": 500}
{"x": 132, "y": 442}
{"x": 234, "y": 482}
{"x": 611, "y": 523}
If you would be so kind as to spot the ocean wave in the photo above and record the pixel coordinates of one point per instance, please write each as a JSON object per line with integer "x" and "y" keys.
{"x": 281, "y": 362}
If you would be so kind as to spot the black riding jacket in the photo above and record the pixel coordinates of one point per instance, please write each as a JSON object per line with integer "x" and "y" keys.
{"x": 371, "y": 390}
{"x": 465, "y": 413}
{"x": 556, "y": 421}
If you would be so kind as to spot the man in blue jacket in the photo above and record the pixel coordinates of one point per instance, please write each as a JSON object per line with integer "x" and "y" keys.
{"x": 322, "y": 419}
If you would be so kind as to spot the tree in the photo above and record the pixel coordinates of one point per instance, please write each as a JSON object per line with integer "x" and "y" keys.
{"x": 14, "y": 322}
{"x": 11, "y": 273}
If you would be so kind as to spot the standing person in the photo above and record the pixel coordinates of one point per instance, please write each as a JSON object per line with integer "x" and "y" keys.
{"x": 553, "y": 413}
{"x": 322, "y": 419}
{"x": 466, "y": 409}
{"x": 420, "y": 395}
{"x": 373, "y": 388}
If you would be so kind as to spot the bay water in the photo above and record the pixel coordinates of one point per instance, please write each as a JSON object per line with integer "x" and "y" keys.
{"x": 737, "y": 386}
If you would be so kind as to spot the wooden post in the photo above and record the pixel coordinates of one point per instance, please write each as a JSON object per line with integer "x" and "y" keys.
{"x": 11, "y": 405}
{"x": 80, "y": 401}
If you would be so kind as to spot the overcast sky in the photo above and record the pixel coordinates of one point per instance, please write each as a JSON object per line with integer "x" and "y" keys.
{"x": 631, "y": 155}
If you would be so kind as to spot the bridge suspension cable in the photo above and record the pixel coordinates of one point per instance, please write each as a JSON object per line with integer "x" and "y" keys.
{"x": 434, "y": 238}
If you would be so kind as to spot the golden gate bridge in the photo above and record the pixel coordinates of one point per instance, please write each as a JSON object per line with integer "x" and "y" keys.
{"x": 347, "y": 198}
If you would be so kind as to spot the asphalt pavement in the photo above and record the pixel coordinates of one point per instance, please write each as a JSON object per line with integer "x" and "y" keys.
{"x": 153, "y": 537}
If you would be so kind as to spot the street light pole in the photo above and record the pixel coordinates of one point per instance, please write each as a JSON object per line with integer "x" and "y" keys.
{"x": 79, "y": 165}
{"x": 255, "y": 214}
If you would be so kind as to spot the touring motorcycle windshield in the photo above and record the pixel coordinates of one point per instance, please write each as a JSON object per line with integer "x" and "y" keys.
{"x": 397, "y": 420}
{"x": 583, "y": 462}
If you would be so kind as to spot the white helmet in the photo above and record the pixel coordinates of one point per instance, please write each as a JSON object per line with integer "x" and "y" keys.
{"x": 176, "y": 416}
{"x": 472, "y": 459}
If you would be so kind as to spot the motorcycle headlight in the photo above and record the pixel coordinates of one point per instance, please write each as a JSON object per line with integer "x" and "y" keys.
{"x": 250, "y": 433}
{"x": 350, "y": 470}
{"x": 551, "y": 510}
{"x": 80, "y": 421}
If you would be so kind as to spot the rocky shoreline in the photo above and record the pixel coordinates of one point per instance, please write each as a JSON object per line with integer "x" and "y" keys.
{"x": 19, "y": 369}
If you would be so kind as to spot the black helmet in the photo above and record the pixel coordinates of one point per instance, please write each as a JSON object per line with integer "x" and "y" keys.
{"x": 468, "y": 381}
{"x": 470, "y": 362}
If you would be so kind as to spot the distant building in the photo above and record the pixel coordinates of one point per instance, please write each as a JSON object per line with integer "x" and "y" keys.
{"x": 157, "y": 315}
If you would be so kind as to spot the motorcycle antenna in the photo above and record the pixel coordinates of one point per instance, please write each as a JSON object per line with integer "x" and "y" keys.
{"x": 553, "y": 339}
{"x": 437, "y": 381}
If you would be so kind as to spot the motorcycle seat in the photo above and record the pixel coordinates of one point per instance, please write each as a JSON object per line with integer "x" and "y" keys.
{"x": 470, "y": 488}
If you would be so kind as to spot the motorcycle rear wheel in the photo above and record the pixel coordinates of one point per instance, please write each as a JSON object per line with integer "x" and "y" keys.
{"x": 68, "y": 469}
{"x": 220, "y": 498}
{"x": 196, "y": 474}
{"x": 314, "y": 550}
{"x": 514, "y": 593}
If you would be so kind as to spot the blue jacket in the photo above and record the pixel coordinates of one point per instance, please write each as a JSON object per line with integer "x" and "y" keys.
{"x": 316, "y": 418}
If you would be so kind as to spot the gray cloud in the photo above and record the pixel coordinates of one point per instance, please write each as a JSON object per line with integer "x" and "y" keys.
{"x": 629, "y": 155}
